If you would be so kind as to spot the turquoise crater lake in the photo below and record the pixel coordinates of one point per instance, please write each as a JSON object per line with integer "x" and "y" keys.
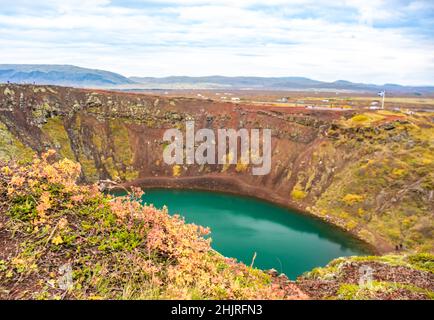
{"x": 283, "y": 239}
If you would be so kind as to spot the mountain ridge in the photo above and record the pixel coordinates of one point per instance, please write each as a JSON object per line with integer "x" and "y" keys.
{"x": 276, "y": 83}
{"x": 70, "y": 75}
{"x": 59, "y": 75}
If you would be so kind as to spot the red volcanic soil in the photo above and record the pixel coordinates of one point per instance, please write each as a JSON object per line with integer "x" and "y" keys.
{"x": 119, "y": 136}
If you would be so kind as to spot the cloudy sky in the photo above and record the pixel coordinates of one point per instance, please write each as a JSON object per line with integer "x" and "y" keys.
{"x": 375, "y": 41}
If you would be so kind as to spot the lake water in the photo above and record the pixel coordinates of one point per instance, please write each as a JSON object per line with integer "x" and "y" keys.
{"x": 283, "y": 239}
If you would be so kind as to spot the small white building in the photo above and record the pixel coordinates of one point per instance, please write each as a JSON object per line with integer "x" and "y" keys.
{"x": 235, "y": 99}
{"x": 374, "y": 106}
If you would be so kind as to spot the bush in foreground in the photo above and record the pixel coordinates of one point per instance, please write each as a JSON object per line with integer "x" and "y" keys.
{"x": 115, "y": 248}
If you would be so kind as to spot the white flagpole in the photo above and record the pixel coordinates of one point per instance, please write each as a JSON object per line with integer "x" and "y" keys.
{"x": 382, "y": 101}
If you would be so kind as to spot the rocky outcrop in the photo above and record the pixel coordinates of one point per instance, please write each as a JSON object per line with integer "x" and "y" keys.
{"x": 390, "y": 277}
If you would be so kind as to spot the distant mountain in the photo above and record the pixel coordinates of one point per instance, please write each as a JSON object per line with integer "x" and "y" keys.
{"x": 271, "y": 83}
{"x": 66, "y": 75}
{"x": 235, "y": 82}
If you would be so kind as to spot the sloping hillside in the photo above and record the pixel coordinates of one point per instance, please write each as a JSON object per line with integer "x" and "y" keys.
{"x": 64, "y": 241}
{"x": 60, "y": 74}
{"x": 61, "y": 240}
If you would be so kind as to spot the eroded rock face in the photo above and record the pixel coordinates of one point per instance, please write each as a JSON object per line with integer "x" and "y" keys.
{"x": 374, "y": 179}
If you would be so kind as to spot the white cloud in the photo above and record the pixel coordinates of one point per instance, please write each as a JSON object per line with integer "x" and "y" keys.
{"x": 193, "y": 37}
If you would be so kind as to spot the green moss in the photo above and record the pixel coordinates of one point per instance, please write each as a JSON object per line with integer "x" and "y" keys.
{"x": 109, "y": 165}
{"x": 98, "y": 142}
{"x": 121, "y": 143}
{"x": 120, "y": 164}
{"x": 419, "y": 261}
{"x": 89, "y": 168}
{"x": 13, "y": 149}
{"x": 121, "y": 240}
{"x": 23, "y": 208}
{"x": 131, "y": 174}
{"x": 366, "y": 236}
{"x": 329, "y": 272}
{"x": 422, "y": 261}
{"x": 349, "y": 292}
{"x": 56, "y": 132}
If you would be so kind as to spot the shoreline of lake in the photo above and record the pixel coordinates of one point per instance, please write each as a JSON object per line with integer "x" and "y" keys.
{"x": 232, "y": 185}
{"x": 242, "y": 226}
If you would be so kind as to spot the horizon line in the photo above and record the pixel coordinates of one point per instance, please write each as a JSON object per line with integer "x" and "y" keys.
{"x": 214, "y": 75}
